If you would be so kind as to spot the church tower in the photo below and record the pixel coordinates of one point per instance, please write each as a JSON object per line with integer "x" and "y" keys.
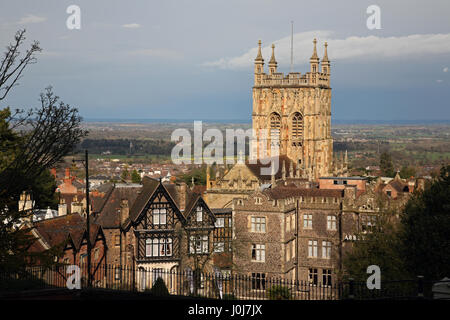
{"x": 293, "y": 111}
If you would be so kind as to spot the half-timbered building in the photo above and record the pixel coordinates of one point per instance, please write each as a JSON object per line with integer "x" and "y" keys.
{"x": 169, "y": 229}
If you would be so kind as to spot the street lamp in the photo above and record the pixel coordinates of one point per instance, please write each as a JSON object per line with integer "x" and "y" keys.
{"x": 85, "y": 162}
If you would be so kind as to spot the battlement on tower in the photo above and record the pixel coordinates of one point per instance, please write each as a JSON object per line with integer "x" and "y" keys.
{"x": 293, "y": 79}
{"x": 318, "y": 76}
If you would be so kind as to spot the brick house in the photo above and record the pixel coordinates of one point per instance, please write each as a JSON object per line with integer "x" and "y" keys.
{"x": 107, "y": 209}
{"x": 67, "y": 234}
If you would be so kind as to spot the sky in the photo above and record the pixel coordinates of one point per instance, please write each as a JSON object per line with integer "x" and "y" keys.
{"x": 194, "y": 59}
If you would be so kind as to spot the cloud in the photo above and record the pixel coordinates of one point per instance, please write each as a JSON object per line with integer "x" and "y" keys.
{"x": 30, "y": 18}
{"x": 131, "y": 26}
{"x": 445, "y": 69}
{"x": 353, "y": 47}
{"x": 439, "y": 81}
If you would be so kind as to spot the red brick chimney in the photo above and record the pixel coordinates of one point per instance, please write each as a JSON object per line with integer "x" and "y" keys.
{"x": 181, "y": 190}
{"x": 53, "y": 172}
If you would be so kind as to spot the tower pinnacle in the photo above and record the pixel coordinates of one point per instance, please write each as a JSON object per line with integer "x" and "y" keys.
{"x": 273, "y": 62}
{"x": 259, "y": 65}
{"x": 314, "y": 55}
{"x": 314, "y": 61}
{"x": 325, "y": 54}
{"x": 259, "y": 57}
{"x": 325, "y": 61}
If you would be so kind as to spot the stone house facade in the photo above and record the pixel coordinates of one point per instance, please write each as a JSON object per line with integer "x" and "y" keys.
{"x": 306, "y": 231}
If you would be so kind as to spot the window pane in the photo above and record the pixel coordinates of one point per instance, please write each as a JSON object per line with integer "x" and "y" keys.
{"x": 155, "y": 247}
{"x": 163, "y": 216}
{"x": 205, "y": 244}
{"x": 148, "y": 248}
{"x": 199, "y": 214}
{"x": 220, "y": 222}
{"x": 219, "y": 247}
{"x": 192, "y": 244}
{"x": 169, "y": 247}
{"x": 155, "y": 216}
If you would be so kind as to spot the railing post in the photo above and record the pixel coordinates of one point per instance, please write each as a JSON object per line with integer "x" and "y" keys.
{"x": 351, "y": 288}
{"x": 420, "y": 294}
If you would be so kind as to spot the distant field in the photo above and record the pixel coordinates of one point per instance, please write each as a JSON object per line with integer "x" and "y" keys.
{"x": 415, "y": 145}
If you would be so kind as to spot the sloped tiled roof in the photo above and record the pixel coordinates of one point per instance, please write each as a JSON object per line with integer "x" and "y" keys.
{"x": 99, "y": 200}
{"x": 57, "y": 230}
{"x": 199, "y": 189}
{"x": 172, "y": 190}
{"x": 398, "y": 185}
{"x": 148, "y": 188}
{"x": 191, "y": 201}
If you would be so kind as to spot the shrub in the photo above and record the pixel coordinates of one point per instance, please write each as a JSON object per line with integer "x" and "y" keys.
{"x": 229, "y": 296}
{"x": 159, "y": 288}
{"x": 278, "y": 292}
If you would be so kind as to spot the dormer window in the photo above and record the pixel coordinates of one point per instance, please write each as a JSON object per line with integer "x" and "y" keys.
{"x": 258, "y": 200}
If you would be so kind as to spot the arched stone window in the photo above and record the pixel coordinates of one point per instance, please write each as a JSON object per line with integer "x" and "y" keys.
{"x": 275, "y": 126}
{"x": 297, "y": 129}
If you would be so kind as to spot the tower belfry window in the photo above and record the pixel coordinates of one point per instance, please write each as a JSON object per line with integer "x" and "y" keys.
{"x": 275, "y": 126}
{"x": 297, "y": 129}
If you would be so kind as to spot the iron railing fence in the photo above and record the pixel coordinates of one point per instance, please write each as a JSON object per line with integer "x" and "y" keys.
{"x": 162, "y": 282}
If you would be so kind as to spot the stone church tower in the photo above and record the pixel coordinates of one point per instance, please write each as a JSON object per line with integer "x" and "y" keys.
{"x": 295, "y": 111}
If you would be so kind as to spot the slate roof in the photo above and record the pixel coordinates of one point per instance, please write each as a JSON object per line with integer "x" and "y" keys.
{"x": 255, "y": 168}
{"x": 108, "y": 208}
{"x": 282, "y": 192}
{"x": 221, "y": 211}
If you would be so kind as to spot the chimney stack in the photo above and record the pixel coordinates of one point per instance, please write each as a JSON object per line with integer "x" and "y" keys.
{"x": 124, "y": 211}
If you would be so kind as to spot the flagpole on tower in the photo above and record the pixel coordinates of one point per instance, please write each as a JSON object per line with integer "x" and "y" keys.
{"x": 292, "y": 46}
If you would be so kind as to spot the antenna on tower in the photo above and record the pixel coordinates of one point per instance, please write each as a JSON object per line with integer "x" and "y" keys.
{"x": 292, "y": 46}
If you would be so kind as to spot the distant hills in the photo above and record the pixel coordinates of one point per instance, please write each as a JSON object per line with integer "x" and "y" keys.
{"x": 248, "y": 121}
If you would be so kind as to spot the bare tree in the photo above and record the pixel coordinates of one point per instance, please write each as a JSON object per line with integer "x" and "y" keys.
{"x": 13, "y": 63}
{"x": 31, "y": 141}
